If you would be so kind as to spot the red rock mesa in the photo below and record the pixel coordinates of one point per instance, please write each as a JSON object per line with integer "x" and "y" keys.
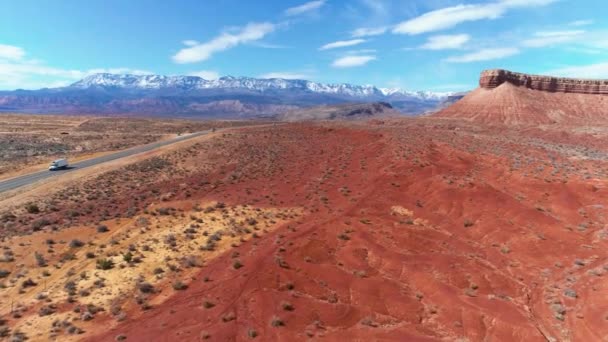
{"x": 506, "y": 97}
{"x": 493, "y": 78}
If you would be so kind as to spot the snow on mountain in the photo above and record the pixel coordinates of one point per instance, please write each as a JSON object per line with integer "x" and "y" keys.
{"x": 254, "y": 84}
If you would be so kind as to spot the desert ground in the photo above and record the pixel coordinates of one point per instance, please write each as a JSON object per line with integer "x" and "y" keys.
{"x": 31, "y": 142}
{"x": 399, "y": 229}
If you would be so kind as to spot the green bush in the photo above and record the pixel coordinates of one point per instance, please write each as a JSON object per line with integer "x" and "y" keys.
{"x": 105, "y": 264}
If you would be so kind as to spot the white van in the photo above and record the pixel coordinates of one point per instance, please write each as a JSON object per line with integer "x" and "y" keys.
{"x": 58, "y": 164}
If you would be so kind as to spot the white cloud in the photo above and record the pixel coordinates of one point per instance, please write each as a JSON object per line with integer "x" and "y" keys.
{"x": 190, "y": 42}
{"x": 342, "y": 43}
{"x": 352, "y": 61}
{"x": 598, "y": 70}
{"x": 361, "y": 52}
{"x": 268, "y": 45}
{"x": 526, "y": 3}
{"x": 23, "y": 69}
{"x": 205, "y": 74}
{"x": 226, "y": 40}
{"x": 548, "y": 38}
{"x": 18, "y": 72}
{"x": 444, "y": 42}
{"x": 449, "y": 17}
{"x": 304, "y": 8}
{"x": 11, "y": 52}
{"x": 378, "y": 8}
{"x": 484, "y": 55}
{"x": 123, "y": 71}
{"x": 34, "y": 75}
{"x": 580, "y": 22}
{"x": 286, "y": 75}
{"x": 368, "y": 31}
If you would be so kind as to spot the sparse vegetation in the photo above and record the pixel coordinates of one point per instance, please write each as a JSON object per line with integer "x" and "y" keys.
{"x": 105, "y": 264}
{"x": 32, "y": 208}
{"x": 102, "y": 228}
{"x": 276, "y": 321}
{"x": 179, "y": 285}
{"x": 76, "y": 243}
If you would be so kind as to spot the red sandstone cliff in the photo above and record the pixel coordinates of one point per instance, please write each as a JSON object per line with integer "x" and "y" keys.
{"x": 506, "y": 97}
{"x": 494, "y": 78}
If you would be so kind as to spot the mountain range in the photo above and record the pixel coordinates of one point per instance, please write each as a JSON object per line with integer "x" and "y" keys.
{"x": 192, "y": 96}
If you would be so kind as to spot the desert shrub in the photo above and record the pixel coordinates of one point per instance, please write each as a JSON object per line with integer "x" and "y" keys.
{"x": 8, "y": 256}
{"x": 237, "y": 264}
{"x": 146, "y": 287}
{"x": 287, "y": 306}
{"x": 68, "y": 257}
{"x": 252, "y": 333}
{"x": 40, "y": 223}
{"x": 230, "y": 316}
{"x": 4, "y": 273}
{"x": 164, "y": 211}
{"x": 170, "y": 240}
{"x": 343, "y": 236}
{"x": 32, "y": 208}
{"x": 102, "y": 228}
{"x": 190, "y": 261}
{"x": 277, "y": 322}
{"x": 72, "y": 213}
{"x": 208, "y": 304}
{"x": 127, "y": 257}
{"x": 28, "y": 283}
{"x": 178, "y": 286}
{"x": 18, "y": 336}
{"x": 40, "y": 259}
{"x": 70, "y": 286}
{"x": 46, "y": 310}
{"x": 76, "y": 243}
{"x": 105, "y": 264}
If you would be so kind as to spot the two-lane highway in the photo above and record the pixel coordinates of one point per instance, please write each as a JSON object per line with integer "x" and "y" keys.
{"x": 14, "y": 183}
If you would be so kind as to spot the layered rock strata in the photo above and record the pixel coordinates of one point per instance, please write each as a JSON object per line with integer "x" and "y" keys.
{"x": 493, "y": 78}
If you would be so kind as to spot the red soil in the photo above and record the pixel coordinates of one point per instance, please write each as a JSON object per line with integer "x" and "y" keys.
{"x": 412, "y": 230}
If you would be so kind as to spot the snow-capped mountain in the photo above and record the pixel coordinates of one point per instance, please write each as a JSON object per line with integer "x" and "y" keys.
{"x": 254, "y": 84}
{"x": 226, "y": 97}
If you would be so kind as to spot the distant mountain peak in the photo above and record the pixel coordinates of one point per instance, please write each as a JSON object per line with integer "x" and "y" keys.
{"x": 127, "y": 81}
{"x": 226, "y": 97}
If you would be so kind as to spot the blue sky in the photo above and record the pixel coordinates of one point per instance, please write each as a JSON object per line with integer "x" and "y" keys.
{"x": 439, "y": 45}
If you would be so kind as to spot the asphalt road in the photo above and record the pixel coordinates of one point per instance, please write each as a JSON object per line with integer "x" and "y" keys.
{"x": 14, "y": 183}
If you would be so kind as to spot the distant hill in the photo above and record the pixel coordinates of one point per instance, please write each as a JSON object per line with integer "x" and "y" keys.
{"x": 351, "y": 111}
{"x": 506, "y": 97}
{"x": 191, "y": 96}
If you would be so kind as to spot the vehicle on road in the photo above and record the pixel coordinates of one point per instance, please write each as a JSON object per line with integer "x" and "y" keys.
{"x": 58, "y": 164}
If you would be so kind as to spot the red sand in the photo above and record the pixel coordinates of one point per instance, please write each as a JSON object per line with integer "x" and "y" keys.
{"x": 486, "y": 255}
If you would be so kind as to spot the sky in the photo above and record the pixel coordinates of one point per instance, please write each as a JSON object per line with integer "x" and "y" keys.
{"x": 438, "y": 45}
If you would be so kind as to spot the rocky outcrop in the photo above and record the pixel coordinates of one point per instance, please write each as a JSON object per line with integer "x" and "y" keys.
{"x": 512, "y": 98}
{"x": 349, "y": 111}
{"x": 493, "y": 78}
